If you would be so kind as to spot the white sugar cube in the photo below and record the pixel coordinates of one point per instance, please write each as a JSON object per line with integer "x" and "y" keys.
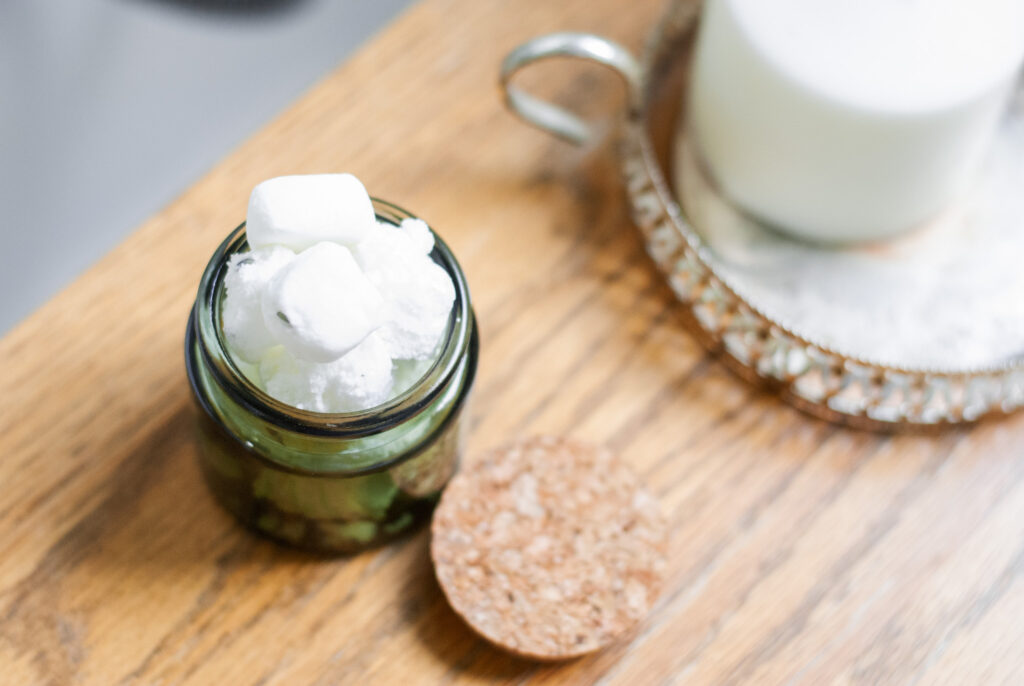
{"x": 321, "y": 305}
{"x": 419, "y": 292}
{"x": 247, "y": 277}
{"x": 357, "y": 381}
{"x": 299, "y": 211}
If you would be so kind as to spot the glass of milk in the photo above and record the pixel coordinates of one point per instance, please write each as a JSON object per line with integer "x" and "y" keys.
{"x": 850, "y": 120}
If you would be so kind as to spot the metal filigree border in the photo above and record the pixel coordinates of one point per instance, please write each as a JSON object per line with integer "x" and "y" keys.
{"x": 819, "y": 380}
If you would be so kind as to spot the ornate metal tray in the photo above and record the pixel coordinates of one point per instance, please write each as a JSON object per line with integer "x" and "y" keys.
{"x": 731, "y": 274}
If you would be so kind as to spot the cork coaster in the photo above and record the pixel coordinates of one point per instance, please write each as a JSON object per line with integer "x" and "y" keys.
{"x": 549, "y": 548}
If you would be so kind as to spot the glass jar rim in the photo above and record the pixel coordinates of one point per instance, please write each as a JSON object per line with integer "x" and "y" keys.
{"x": 227, "y": 374}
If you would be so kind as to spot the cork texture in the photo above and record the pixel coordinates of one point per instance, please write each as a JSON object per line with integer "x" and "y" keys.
{"x": 549, "y": 548}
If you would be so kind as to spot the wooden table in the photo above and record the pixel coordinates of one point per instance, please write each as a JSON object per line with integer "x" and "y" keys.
{"x": 801, "y": 553}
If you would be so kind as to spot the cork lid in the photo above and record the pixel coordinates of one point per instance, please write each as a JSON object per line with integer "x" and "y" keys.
{"x": 549, "y": 548}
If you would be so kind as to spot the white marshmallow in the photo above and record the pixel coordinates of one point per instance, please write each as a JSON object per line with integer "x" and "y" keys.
{"x": 331, "y": 330}
{"x": 247, "y": 277}
{"x": 320, "y": 305}
{"x": 299, "y": 211}
{"x": 358, "y": 381}
{"x": 420, "y": 234}
{"x": 419, "y": 292}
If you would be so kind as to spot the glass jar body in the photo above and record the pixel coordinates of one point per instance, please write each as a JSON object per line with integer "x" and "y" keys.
{"x": 329, "y": 483}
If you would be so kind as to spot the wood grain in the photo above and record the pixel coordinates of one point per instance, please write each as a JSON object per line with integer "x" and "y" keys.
{"x": 801, "y": 553}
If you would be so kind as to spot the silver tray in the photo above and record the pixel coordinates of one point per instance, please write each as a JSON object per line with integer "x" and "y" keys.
{"x": 730, "y": 274}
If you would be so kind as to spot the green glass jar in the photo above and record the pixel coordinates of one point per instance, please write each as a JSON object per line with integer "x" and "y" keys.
{"x": 327, "y": 482}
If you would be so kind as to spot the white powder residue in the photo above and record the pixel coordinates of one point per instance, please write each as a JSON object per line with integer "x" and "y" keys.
{"x": 949, "y": 295}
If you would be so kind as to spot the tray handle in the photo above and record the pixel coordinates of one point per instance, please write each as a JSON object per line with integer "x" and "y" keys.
{"x": 551, "y": 118}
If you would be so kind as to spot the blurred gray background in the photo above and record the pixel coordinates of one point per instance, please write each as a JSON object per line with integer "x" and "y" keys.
{"x": 111, "y": 108}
